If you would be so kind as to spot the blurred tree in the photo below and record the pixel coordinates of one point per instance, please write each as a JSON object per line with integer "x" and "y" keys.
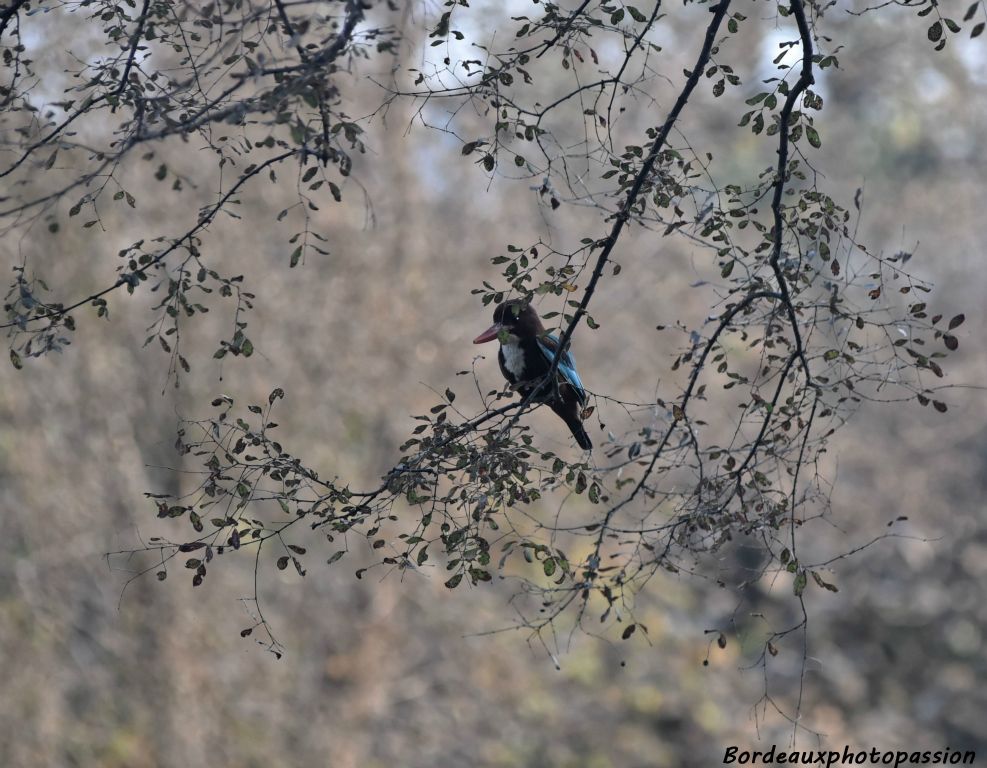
{"x": 803, "y": 322}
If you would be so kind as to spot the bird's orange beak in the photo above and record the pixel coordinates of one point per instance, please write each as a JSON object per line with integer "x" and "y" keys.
{"x": 488, "y": 335}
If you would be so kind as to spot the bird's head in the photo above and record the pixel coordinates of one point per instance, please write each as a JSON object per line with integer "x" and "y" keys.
{"x": 513, "y": 320}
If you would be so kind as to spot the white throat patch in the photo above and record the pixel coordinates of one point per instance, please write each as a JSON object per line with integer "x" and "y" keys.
{"x": 513, "y": 359}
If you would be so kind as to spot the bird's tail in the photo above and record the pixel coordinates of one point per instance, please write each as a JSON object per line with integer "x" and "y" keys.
{"x": 570, "y": 411}
{"x": 575, "y": 424}
{"x": 582, "y": 438}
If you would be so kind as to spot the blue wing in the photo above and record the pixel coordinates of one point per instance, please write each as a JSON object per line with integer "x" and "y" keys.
{"x": 567, "y": 363}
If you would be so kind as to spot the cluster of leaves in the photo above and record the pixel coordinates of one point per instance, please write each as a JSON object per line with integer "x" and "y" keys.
{"x": 943, "y": 26}
{"x": 803, "y": 328}
{"x": 257, "y": 84}
{"x": 806, "y": 328}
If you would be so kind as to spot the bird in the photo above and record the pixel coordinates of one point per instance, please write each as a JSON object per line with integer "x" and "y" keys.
{"x": 525, "y": 357}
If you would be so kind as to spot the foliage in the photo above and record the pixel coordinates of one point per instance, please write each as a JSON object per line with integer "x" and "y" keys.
{"x": 806, "y": 325}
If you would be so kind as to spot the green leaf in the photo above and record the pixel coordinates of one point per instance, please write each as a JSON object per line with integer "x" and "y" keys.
{"x": 813, "y": 136}
{"x": 935, "y": 31}
{"x": 454, "y": 581}
{"x": 594, "y": 493}
{"x": 580, "y": 483}
{"x": 798, "y": 586}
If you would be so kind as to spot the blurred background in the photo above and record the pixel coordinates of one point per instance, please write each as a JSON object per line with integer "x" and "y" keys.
{"x": 400, "y": 670}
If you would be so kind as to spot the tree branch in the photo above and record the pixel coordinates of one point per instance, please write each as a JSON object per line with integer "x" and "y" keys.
{"x": 564, "y": 28}
{"x": 806, "y": 79}
{"x": 203, "y": 222}
{"x": 132, "y": 53}
{"x": 9, "y": 12}
{"x": 719, "y": 13}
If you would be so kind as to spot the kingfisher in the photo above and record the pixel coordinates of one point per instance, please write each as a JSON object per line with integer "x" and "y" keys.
{"x": 526, "y": 354}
